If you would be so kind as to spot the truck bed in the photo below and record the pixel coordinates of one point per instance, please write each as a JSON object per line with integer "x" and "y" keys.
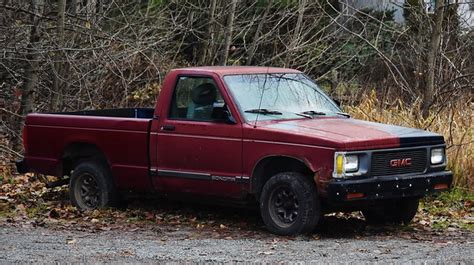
{"x": 122, "y": 134}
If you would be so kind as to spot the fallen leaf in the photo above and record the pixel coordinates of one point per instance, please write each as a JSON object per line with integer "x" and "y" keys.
{"x": 53, "y": 214}
{"x": 423, "y": 222}
{"x": 127, "y": 253}
{"x": 149, "y": 216}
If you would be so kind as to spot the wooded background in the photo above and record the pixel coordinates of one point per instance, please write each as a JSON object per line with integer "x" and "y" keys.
{"x": 62, "y": 55}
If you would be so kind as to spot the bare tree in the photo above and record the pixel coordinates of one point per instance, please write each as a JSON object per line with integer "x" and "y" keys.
{"x": 59, "y": 70}
{"x": 431, "y": 58}
{"x": 228, "y": 33}
{"x": 31, "y": 68}
{"x": 256, "y": 38}
{"x": 91, "y": 8}
{"x": 296, "y": 37}
{"x": 208, "y": 47}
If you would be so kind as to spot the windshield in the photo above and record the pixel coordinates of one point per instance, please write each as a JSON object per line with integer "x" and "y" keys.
{"x": 279, "y": 96}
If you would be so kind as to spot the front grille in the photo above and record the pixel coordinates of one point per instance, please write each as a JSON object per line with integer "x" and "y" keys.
{"x": 381, "y": 162}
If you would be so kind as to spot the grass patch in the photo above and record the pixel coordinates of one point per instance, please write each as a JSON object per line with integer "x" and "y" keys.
{"x": 457, "y": 199}
{"x": 452, "y": 209}
{"x": 39, "y": 209}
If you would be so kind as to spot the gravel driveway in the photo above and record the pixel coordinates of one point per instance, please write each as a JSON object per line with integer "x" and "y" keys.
{"x": 28, "y": 244}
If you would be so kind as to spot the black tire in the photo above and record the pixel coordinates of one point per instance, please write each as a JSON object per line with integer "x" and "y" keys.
{"x": 289, "y": 204}
{"x": 395, "y": 212}
{"x": 91, "y": 186}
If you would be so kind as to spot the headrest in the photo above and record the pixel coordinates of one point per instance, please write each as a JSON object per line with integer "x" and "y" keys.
{"x": 204, "y": 94}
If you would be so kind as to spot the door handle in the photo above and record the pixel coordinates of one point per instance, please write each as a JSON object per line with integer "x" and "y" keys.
{"x": 168, "y": 128}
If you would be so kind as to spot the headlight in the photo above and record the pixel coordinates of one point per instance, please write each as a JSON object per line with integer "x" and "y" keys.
{"x": 352, "y": 163}
{"x": 344, "y": 163}
{"x": 437, "y": 156}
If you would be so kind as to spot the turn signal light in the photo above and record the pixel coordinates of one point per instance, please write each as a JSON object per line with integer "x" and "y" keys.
{"x": 441, "y": 186}
{"x": 354, "y": 195}
{"x": 339, "y": 164}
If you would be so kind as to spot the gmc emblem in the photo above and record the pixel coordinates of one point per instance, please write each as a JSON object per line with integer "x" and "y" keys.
{"x": 402, "y": 162}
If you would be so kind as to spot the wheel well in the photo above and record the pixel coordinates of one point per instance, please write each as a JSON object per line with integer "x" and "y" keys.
{"x": 77, "y": 152}
{"x": 270, "y": 166}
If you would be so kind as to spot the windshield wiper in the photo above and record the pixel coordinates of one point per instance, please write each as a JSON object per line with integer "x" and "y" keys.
{"x": 304, "y": 115}
{"x": 264, "y": 111}
{"x": 313, "y": 112}
{"x": 343, "y": 114}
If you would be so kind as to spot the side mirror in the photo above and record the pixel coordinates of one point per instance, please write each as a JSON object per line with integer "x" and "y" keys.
{"x": 229, "y": 119}
{"x": 338, "y": 102}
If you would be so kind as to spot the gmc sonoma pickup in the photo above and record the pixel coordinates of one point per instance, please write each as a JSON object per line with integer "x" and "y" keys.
{"x": 241, "y": 133}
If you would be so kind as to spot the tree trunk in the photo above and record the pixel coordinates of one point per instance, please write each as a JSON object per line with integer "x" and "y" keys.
{"x": 30, "y": 76}
{"x": 58, "y": 84}
{"x": 228, "y": 33}
{"x": 91, "y": 9}
{"x": 73, "y": 7}
{"x": 207, "y": 48}
{"x": 431, "y": 60}
{"x": 30, "y": 79}
{"x": 254, "y": 44}
{"x": 296, "y": 33}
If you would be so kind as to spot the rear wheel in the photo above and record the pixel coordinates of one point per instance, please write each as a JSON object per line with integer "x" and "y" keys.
{"x": 397, "y": 211}
{"x": 289, "y": 204}
{"x": 91, "y": 186}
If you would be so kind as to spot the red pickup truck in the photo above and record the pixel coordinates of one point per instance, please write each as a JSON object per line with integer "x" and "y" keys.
{"x": 241, "y": 133}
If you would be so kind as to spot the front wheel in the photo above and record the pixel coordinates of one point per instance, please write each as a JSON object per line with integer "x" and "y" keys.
{"x": 91, "y": 186}
{"x": 289, "y": 204}
{"x": 397, "y": 211}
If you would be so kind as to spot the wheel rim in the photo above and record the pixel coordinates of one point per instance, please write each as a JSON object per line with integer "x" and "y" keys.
{"x": 284, "y": 206}
{"x": 89, "y": 191}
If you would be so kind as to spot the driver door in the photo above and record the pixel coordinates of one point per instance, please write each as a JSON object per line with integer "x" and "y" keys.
{"x": 198, "y": 151}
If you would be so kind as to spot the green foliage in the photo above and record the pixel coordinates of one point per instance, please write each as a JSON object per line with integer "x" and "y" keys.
{"x": 455, "y": 198}
{"x": 11, "y": 181}
{"x": 410, "y": 8}
{"x": 450, "y": 209}
{"x": 368, "y": 14}
{"x": 361, "y": 50}
{"x": 154, "y": 5}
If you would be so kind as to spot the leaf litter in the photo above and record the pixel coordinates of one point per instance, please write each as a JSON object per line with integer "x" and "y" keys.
{"x": 27, "y": 201}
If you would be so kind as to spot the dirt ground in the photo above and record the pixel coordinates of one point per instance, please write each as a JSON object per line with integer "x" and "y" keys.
{"x": 224, "y": 235}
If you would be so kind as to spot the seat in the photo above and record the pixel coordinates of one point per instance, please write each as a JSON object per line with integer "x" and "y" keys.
{"x": 202, "y": 100}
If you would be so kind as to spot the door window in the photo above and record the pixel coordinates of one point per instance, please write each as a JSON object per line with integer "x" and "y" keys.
{"x": 197, "y": 99}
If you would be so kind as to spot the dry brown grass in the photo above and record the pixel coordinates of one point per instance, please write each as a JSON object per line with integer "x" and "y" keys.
{"x": 454, "y": 122}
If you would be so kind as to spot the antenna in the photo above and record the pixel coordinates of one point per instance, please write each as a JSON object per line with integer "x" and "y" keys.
{"x": 261, "y": 97}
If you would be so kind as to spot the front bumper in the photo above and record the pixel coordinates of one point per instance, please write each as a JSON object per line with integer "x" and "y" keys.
{"x": 21, "y": 166}
{"x": 388, "y": 187}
